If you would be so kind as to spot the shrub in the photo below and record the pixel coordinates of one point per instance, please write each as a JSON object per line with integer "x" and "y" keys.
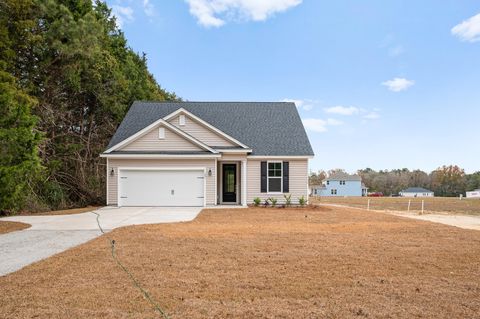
{"x": 256, "y": 201}
{"x": 302, "y": 201}
{"x": 273, "y": 200}
{"x": 288, "y": 199}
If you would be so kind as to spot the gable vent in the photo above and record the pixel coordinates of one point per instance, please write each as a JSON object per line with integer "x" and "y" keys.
{"x": 181, "y": 119}
{"x": 161, "y": 133}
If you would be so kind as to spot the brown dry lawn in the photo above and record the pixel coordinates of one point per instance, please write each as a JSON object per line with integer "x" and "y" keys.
{"x": 261, "y": 263}
{"x": 8, "y": 227}
{"x": 436, "y": 204}
{"x": 61, "y": 212}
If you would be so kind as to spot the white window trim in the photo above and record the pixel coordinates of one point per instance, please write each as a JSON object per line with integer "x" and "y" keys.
{"x": 281, "y": 178}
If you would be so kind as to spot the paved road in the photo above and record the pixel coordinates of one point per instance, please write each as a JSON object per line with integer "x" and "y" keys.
{"x": 50, "y": 235}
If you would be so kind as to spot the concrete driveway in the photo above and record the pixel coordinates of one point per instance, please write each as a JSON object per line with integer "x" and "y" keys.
{"x": 50, "y": 235}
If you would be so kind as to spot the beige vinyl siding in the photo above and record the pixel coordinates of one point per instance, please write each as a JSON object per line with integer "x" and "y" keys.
{"x": 298, "y": 180}
{"x": 150, "y": 142}
{"x": 200, "y": 132}
{"x": 163, "y": 163}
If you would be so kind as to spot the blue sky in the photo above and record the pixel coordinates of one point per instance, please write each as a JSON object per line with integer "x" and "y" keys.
{"x": 380, "y": 84}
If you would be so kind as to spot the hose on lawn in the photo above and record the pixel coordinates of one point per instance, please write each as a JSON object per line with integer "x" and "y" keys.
{"x": 147, "y": 296}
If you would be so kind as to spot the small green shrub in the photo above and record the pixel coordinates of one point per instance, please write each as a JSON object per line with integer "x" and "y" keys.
{"x": 302, "y": 201}
{"x": 288, "y": 199}
{"x": 256, "y": 201}
{"x": 273, "y": 200}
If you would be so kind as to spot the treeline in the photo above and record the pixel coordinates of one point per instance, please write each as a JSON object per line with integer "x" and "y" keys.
{"x": 67, "y": 78}
{"x": 444, "y": 181}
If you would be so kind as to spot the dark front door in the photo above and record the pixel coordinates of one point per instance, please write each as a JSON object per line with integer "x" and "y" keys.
{"x": 229, "y": 183}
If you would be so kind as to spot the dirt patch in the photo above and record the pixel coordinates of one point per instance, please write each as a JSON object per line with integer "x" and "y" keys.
{"x": 61, "y": 212}
{"x": 265, "y": 263}
{"x": 8, "y": 227}
{"x": 437, "y": 205}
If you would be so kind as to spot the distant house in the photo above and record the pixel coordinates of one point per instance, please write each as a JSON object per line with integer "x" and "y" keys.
{"x": 474, "y": 194}
{"x": 416, "y": 192}
{"x": 340, "y": 184}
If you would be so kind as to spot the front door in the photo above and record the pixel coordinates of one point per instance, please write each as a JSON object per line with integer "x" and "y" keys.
{"x": 229, "y": 183}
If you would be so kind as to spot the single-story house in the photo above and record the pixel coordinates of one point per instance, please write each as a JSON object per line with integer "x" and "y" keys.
{"x": 340, "y": 184}
{"x": 207, "y": 154}
{"x": 416, "y": 192}
{"x": 473, "y": 194}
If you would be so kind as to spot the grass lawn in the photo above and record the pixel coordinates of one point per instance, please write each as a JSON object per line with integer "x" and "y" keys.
{"x": 7, "y": 227}
{"x": 449, "y": 205}
{"x": 261, "y": 263}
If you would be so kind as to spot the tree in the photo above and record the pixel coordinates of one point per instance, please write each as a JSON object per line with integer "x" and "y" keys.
{"x": 448, "y": 181}
{"x": 73, "y": 59}
{"x": 316, "y": 178}
{"x": 19, "y": 162}
{"x": 473, "y": 181}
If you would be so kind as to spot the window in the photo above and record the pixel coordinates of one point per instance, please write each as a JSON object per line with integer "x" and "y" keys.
{"x": 274, "y": 177}
{"x": 333, "y": 191}
{"x": 181, "y": 120}
{"x": 161, "y": 133}
{"x": 342, "y": 182}
{"x": 328, "y": 182}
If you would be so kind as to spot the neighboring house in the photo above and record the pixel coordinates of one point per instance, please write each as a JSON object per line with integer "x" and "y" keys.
{"x": 416, "y": 192}
{"x": 341, "y": 184}
{"x": 473, "y": 194}
{"x": 207, "y": 153}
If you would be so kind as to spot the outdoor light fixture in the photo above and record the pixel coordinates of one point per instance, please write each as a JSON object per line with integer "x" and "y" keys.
{"x": 112, "y": 172}
{"x": 209, "y": 172}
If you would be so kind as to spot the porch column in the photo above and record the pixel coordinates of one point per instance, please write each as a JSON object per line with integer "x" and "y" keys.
{"x": 244, "y": 183}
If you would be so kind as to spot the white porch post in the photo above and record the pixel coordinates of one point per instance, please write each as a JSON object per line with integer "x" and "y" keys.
{"x": 244, "y": 183}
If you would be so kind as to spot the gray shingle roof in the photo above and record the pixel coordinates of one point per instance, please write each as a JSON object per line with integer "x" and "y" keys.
{"x": 341, "y": 176}
{"x": 269, "y": 128}
{"x": 416, "y": 190}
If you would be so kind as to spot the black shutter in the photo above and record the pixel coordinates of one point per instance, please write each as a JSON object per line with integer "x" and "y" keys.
{"x": 286, "y": 188}
{"x": 263, "y": 177}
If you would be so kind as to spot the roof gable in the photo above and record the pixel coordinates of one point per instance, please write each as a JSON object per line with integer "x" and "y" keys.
{"x": 154, "y": 126}
{"x": 268, "y": 128}
{"x": 150, "y": 141}
{"x": 201, "y": 130}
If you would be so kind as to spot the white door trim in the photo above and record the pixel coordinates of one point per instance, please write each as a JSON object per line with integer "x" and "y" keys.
{"x": 170, "y": 168}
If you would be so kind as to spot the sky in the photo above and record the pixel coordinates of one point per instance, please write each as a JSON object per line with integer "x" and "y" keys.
{"x": 379, "y": 84}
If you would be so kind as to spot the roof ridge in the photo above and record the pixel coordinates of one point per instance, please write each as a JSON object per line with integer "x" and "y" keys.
{"x": 215, "y": 102}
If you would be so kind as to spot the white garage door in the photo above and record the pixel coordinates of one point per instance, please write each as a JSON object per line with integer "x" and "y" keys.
{"x": 161, "y": 187}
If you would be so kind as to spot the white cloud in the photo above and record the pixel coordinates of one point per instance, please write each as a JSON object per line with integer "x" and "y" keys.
{"x": 319, "y": 125}
{"x": 123, "y": 14}
{"x": 396, "y": 51}
{"x": 468, "y": 30}
{"x": 214, "y": 13}
{"x": 371, "y": 116}
{"x": 306, "y": 105}
{"x": 342, "y": 110}
{"x": 398, "y": 84}
{"x": 148, "y": 8}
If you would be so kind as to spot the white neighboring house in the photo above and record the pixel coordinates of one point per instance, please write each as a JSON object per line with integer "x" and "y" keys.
{"x": 416, "y": 192}
{"x": 473, "y": 194}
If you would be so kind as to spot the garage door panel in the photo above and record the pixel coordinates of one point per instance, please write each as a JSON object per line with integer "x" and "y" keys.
{"x": 161, "y": 188}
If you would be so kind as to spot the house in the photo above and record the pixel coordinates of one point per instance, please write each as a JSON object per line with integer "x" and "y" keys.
{"x": 416, "y": 192}
{"x": 341, "y": 184}
{"x": 207, "y": 154}
{"x": 473, "y": 194}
